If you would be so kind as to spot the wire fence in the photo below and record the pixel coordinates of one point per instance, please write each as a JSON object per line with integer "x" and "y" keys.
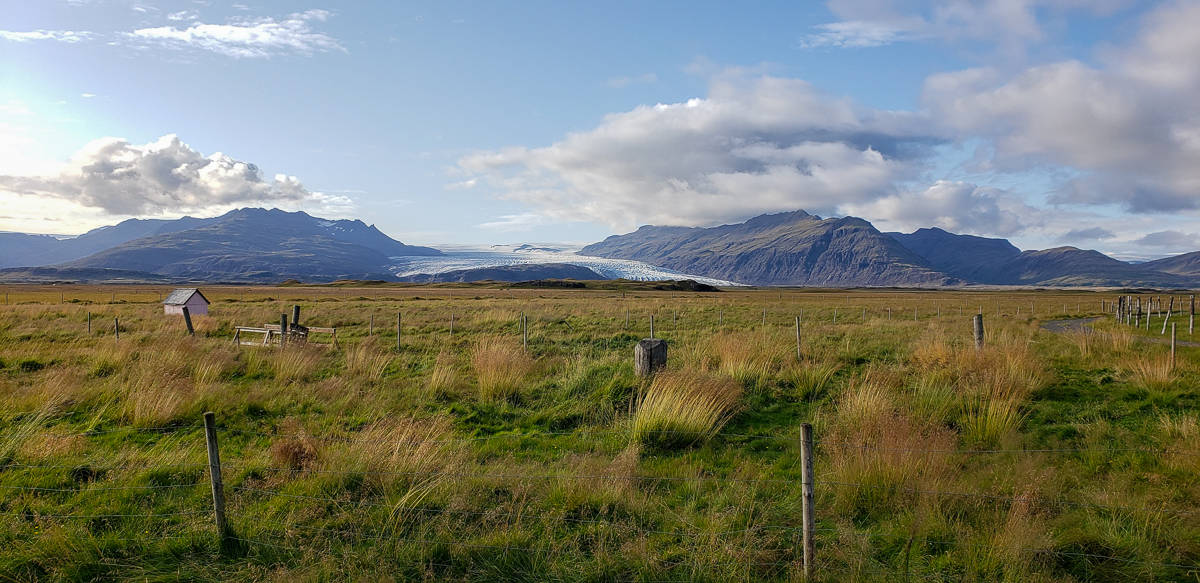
{"x": 297, "y": 535}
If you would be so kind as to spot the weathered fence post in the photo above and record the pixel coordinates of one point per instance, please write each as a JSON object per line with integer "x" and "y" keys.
{"x": 806, "y": 486}
{"x": 652, "y": 325}
{"x": 116, "y": 329}
{"x": 295, "y": 314}
{"x": 1172, "y": 345}
{"x": 798, "y": 355}
{"x": 187, "y": 319}
{"x": 1170, "y": 308}
{"x": 89, "y": 323}
{"x": 282, "y": 329}
{"x": 764, "y": 318}
{"x": 371, "y": 326}
{"x": 649, "y": 355}
{"x": 214, "y": 472}
{"x": 978, "y": 331}
{"x": 835, "y": 315}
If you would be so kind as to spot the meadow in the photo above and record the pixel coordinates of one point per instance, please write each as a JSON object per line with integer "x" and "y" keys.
{"x": 458, "y": 452}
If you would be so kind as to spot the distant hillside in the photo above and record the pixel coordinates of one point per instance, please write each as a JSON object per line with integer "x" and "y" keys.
{"x": 525, "y": 272}
{"x": 801, "y": 249}
{"x": 81, "y": 275}
{"x": 261, "y": 246}
{"x": 793, "y": 248}
{"x": 968, "y": 257}
{"x": 1187, "y": 264}
{"x": 21, "y": 250}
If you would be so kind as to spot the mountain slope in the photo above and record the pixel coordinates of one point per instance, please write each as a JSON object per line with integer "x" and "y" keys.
{"x": 793, "y": 248}
{"x": 1187, "y": 264}
{"x": 21, "y": 250}
{"x": 260, "y": 245}
{"x": 1068, "y": 266}
{"x": 968, "y": 257}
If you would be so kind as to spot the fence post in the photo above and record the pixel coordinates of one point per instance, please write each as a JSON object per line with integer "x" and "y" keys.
{"x": 89, "y": 323}
{"x": 1192, "y": 317}
{"x": 371, "y": 326}
{"x": 649, "y": 355}
{"x": 1172, "y": 345}
{"x": 978, "y": 331}
{"x": 187, "y": 319}
{"x": 651, "y": 325}
{"x": 798, "y": 356}
{"x": 282, "y": 329}
{"x": 806, "y": 485}
{"x": 295, "y": 315}
{"x": 214, "y": 472}
{"x": 116, "y": 329}
{"x": 451, "y": 324}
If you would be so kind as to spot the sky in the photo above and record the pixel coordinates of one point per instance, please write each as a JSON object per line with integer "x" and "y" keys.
{"x": 1067, "y": 122}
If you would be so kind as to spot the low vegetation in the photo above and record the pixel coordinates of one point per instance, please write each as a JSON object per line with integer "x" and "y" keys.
{"x": 471, "y": 456}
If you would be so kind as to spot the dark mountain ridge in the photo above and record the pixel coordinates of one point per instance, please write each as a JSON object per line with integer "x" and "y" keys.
{"x": 798, "y": 248}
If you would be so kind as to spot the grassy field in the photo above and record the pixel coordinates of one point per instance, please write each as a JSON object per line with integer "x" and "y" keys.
{"x": 464, "y": 456}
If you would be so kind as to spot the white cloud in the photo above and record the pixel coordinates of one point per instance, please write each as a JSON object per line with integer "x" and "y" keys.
{"x": 66, "y": 36}
{"x": 955, "y": 206}
{"x": 183, "y": 15}
{"x": 1130, "y": 130}
{"x": 164, "y": 176}
{"x": 246, "y": 38}
{"x": 872, "y": 23}
{"x": 1170, "y": 240}
{"x": 516, "y": 222}
{"x": 753, "y": 145}
{"x": 87, "y": 95}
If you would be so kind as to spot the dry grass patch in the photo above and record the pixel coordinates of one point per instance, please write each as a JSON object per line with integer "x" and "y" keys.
{"x": 366, "y": 361}
{"x": 748, "y": 357}
{"x": 500, "y": 368}
{"x": 1150, "y": 372}
{"x": 682, "y": 408}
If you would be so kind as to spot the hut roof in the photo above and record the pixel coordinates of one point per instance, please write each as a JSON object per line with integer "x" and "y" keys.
{"x": 180, "y": 296}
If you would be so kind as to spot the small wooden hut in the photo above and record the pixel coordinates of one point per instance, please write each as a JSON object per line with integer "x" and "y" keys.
{"x": 191, "y": 297}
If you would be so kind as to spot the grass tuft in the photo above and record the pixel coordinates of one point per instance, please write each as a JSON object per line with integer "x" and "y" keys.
{"x": 679, "y": 409}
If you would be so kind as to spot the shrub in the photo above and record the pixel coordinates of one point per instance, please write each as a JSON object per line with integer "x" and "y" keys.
{"x": 680, "y": 409}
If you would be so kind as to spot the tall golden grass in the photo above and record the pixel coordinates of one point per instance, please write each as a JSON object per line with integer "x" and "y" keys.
{"x": 681, "y": 408}
{"x": 500, "y": 368}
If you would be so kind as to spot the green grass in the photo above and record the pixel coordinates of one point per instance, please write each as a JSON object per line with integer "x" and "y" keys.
{"x": 466, "y": 458}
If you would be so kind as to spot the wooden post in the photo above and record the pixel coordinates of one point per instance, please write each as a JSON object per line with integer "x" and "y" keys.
{"x": 116, "y": 329}
{"x": 806, "y": 486}
{"x": 649, "y": 355}
{"x": 652, "y": 325}
{"x": 398, "y": 322}
{"x": 237, "y": 337}
{"x": 1172, "y": 345}
{"x": 295, "y": 315}
{"x": 1170, "y": 308}
{"x": 371, "y": 326}
{"x": 282, "y": 329}
{"x": 674, "y": 319}
{"x": 835, "y": 315}
{"x": 214, "y": 472}
{"x": 914, "y": 314}
{"x": 187, "y": 319}
{"x": 798, "y": 356}
{"x": 89, "y": 323}
{"x": 978, "y": 331}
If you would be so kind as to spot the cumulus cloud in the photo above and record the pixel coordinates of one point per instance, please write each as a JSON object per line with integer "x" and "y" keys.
{"x": 954, "y": 206}
{"x": 164, "y": 176}
{"x": 246, "y": 38}
{"x": 1130, "y": 129}
{"x": 753, "y": 145}
{"x": 66, "y": 36}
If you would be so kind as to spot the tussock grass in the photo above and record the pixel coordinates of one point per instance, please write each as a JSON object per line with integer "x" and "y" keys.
{"x": 367, "y": 361}
{"x": 749, "y": 357}
{"x": 500, "y": 368}
{"x": 1150, "y": 372}
{"x": 680, "y": 409}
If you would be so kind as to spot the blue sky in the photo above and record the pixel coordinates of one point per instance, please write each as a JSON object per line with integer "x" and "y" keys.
{"x": 1051, "y": 122}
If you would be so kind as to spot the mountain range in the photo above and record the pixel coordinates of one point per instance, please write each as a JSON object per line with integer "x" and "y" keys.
{"x": 797, "y": 248}
{"x": 793, "y": 248}
{"x": 244, "y": 245}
